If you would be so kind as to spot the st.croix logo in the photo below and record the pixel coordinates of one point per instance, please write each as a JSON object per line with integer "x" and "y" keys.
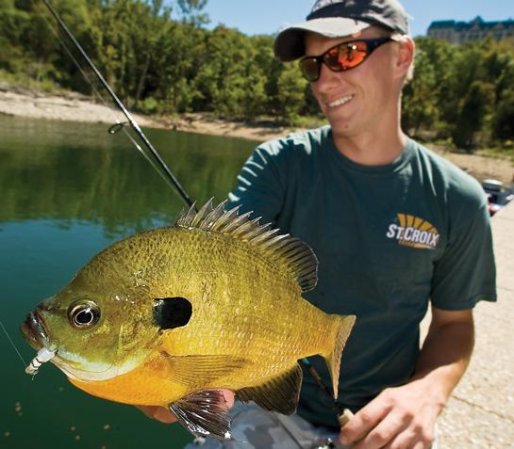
{"x": 413, "y": 232}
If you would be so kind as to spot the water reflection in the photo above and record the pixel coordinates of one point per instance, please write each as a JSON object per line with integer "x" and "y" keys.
{"x": 80, "y": 172}
{"x": 68, "y": 190}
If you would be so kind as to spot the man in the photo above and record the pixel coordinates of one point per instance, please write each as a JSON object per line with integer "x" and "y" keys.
{"x": 395, "y": 229}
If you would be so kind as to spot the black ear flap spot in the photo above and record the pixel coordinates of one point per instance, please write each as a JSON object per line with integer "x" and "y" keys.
{"x": 170, "y": 313}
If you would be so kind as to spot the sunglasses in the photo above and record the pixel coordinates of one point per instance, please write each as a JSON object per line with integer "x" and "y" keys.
{"x": 340, "y": 57}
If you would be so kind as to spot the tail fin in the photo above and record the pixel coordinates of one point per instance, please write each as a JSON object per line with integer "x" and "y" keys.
{"x": 342, "y": 325}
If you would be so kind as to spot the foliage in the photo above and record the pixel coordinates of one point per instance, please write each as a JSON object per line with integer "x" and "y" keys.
{"x": 472, "y": 112}
{"x": 420, "y": 110}
{"x": 462, "y": 93}
{"x": 159, "y": 57}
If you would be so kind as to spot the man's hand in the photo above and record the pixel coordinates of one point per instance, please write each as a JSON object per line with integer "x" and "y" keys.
{"x": 158, "y": 413}
{"x": 404, "y": 417}
{"x": 164, "y": 415}
{"x": 398, "y": 418}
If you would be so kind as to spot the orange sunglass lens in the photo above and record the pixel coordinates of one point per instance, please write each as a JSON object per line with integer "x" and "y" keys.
{"x": 346, "y": 57}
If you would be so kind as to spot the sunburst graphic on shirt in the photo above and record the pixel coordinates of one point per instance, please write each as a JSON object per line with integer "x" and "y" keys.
{"x": 414, "y": 232}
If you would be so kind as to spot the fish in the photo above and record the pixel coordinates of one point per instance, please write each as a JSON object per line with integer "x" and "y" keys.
{"x": 170, "y": 316}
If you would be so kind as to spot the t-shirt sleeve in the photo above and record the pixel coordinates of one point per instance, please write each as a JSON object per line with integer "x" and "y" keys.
{"x": 260, "y": 186}
{"x": 466, "y": 272}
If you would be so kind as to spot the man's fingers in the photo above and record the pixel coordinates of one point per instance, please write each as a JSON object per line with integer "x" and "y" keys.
{"x": 229, "y": 397}
{"x": 158, "y": 413}
{"x": 407, "y": 439}
{"x": 383, "y": 433}
{"x": 361, "y": 424}
{"x": 164, "y": 415}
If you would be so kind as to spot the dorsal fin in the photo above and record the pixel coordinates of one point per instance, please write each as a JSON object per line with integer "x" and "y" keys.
{"x": 296, "y": 256}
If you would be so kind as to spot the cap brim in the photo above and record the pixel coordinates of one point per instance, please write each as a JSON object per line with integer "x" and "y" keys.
{"x": 290, "y": 42}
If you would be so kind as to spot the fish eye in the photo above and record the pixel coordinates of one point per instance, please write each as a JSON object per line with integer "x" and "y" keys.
{"x": 83, "y": 314}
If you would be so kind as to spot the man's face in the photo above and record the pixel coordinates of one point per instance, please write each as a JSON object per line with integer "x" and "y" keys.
{"x": 364, "y": 98}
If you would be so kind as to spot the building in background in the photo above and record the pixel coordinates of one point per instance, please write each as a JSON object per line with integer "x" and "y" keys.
{"x": 462, "y": 32}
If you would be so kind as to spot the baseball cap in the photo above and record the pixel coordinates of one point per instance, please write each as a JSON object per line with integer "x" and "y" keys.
{"x": 338, "y": 18}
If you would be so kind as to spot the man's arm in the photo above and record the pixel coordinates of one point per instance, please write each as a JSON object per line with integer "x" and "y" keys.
{"x": 405, "y": 416}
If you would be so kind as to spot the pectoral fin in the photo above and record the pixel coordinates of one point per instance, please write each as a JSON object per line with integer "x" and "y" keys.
{"x": 279, "y": 394}
{"x": 202, "y": 369}
{"x": 204, "y": 413}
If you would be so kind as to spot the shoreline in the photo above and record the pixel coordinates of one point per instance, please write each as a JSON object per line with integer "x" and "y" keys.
{"x": 74, "y": 107}
{"x": 69, "y": 106}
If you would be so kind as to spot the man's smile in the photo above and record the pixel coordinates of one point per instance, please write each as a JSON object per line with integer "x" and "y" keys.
{"x": 340, "y": 101}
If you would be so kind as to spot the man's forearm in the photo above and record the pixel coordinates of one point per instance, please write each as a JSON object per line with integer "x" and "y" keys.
{"x": 446, "y": 351}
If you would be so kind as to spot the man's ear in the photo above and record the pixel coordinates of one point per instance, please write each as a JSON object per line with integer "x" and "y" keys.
{"x": 405, "y": 57}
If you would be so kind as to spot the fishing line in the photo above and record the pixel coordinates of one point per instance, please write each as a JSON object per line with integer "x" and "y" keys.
{"x": 77, "y": 64}
{"x": 151, "y": 154}
{"x": 119, "y": 125}
{"x": 12, "y": 344}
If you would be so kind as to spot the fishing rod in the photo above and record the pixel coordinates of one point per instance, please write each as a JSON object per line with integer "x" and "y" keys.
{"x": 160, "y": 165}
{"x": 153, "y": 156}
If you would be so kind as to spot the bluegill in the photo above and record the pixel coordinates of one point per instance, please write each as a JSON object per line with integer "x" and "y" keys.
{"x": 169, "y": 316}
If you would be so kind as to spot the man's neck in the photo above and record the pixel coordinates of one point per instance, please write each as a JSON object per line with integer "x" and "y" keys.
{"x": 369, "y": 148}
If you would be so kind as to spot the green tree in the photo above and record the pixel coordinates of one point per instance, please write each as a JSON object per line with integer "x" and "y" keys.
{"x": 472, "y": 112}
{"x": 420, "y": 109}
{"x": 449, "y": 64}
{"x": 499, "y": 68}
{"x": 291, "y": 93}
{"x": 503, "y": 122}
{"x": 231, "y": 78}
{"x": 192, "y": 12}
{"x": 177, "y": 62}
{"x": 13, "y": 23}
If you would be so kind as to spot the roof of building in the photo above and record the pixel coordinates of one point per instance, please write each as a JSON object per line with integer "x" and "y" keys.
{"x": 477, "y": 22}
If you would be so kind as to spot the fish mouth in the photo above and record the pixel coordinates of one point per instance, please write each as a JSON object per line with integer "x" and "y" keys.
{"x": 34, "y": 331}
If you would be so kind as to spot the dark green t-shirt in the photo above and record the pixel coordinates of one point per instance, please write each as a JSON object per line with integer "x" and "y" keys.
{"x": 389, "y": 239}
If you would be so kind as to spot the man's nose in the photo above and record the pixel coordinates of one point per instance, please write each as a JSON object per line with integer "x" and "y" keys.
{"x": 327, "y": 78}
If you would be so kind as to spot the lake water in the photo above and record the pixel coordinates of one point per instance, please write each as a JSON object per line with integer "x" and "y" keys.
{"x": 67, "y": 190}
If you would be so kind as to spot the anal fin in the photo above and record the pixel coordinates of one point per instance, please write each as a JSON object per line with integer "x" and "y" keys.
{"x": 204, "y": 413}
{"x": 279, "y": 394}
